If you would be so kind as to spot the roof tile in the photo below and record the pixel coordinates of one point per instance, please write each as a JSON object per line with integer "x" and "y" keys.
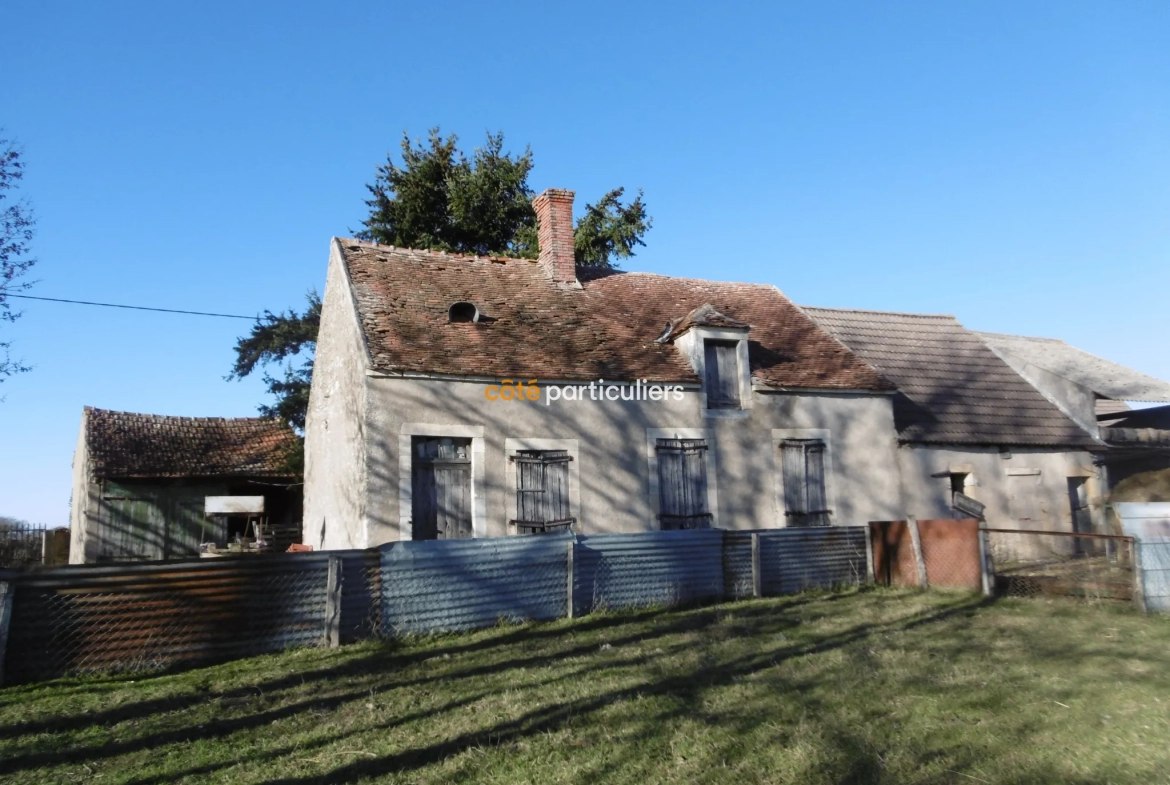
{"x": 126, "y": 444}
{"x": 605, "y": 329}
{"x": 952, "y": 388}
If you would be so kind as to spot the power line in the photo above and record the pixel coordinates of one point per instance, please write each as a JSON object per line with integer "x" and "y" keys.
{"x": 133, "y": 307}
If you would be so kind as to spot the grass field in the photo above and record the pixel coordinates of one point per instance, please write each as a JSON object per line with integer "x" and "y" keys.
{"x": 864, "y": 687}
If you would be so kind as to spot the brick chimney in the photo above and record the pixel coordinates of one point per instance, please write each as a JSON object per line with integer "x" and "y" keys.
{"x": 554, "y": 220}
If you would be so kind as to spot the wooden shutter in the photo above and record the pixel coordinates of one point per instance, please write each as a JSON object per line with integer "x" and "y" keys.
{"x": 542, "y": 491}
{"x": 682, "y": 484}
{"x": 792, "y": 458}
{"x": 721, "y": 367}
{"x": 803, "y": 467}
{"x": 530, "y": 490}
{"x": 818, "y": 513}
{"x": 556, "y": 484}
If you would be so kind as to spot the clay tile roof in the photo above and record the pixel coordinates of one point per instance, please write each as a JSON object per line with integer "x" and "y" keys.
{"x": 605, "y": 329}
{"x": 952, "y": 388}
{"x": 705, "y": 316}
{"x": 125, "y": 444}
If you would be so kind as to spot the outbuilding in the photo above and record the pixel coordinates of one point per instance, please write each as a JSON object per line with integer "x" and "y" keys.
{"x": 148, "y": 487}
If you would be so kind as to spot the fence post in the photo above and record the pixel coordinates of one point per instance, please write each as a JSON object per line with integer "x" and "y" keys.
{"x": 6, "y": 590}
{"x": 333, "y": 603}
{"x": 984, "y": 564}
{"x": 757, "y": 579}
{"x": 869, "y": 568}
{"x": 912, "y": 524}
{"x": 1139, "y": 582}
{"x": 569, "y": 581}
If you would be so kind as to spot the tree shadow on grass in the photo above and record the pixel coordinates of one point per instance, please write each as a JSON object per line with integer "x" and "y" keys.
{"x": 685, "y": 688}
{"x": 386, "y": 660}
{"x": 637, "y": 641}
{"x": 388, "y": 656}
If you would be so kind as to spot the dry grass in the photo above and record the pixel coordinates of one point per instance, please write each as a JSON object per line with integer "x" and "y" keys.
{"x": 864, "y": 687}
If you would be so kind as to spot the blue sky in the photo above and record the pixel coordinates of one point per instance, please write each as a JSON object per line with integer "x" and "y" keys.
{"x": 1006, "y": 162}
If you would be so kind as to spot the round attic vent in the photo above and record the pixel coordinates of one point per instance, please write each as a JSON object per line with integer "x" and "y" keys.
{"x": 463, "y": 312}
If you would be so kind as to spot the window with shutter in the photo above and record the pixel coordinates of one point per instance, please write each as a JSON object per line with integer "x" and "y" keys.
{"x": 682, "y": 484}
{"x": 803, "y": 464}
{"x": 721, "y": 367}
{"x": 542, "y": 491}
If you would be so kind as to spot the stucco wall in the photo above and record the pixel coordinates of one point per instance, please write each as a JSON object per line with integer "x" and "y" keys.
{"x": 613, "y": 453}
{"x": 335, "y": 470}
{"x": 993, "y": 477}
{"x": 82, "y": 503}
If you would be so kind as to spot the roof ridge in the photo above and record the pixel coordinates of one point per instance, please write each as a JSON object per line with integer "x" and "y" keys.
{"x": 705, "y": 281}
{"x": 98, "y": 410}
{"x": 1030, "y": 338}
{"x": 432, "y": 252}
{"x": 886, "y": 313}
{"x": 475, "y": 257}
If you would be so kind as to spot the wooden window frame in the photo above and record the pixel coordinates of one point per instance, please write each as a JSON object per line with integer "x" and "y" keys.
{"x": 692, "y": 345}
{"x": 823, "y": 435}
{"x": 712, "y": 468}
{"x": 806, "y": 515}
{"x": 696, "y": 449}
{"x": 405, "y": 487}
{"x": 711, "y": 350}
{"x": 544, "y": 459}
{"x": 515, "y": 446}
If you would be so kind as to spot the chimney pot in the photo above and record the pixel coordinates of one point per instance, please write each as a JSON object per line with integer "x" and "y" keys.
{"x": 554, "y": 220}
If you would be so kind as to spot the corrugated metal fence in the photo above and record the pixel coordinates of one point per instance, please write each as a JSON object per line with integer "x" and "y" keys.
{"x": 793, "y": 560}
{"x": 145, "y": 616}
{"x": 1149, "y": 524}
{"x": 613, "y": 571}
{"x": 446, "y": 585}
{"x": 77, "y": 620}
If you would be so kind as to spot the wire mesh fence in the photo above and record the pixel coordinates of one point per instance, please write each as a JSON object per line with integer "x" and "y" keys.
{"x": 123, "y": 618}
{"x": 1086, "y": 566}
{"x": 21, "y": 544}
{"x": 951, "y": 553}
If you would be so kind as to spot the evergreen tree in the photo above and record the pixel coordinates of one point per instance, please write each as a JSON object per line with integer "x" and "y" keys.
{"x": 439, "y": 199}
{"x": 276, "y": 338}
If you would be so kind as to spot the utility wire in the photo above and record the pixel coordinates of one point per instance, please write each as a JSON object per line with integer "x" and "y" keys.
{"x": 133, "y": 307}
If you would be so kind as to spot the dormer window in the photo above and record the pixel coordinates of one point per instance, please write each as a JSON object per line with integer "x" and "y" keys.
{"x": 722, "y": 375}
{"x": 716, "y": 346}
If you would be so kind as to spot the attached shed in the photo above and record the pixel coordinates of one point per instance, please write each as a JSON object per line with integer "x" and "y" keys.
{"x": 975, "y": 438}
{"x": 141, "y": 482}
{"x": 1093, "y": 392}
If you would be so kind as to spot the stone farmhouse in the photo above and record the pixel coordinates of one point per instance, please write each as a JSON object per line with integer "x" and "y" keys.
{"x": 463, "y": 396}
{"x": 417, "y": 426}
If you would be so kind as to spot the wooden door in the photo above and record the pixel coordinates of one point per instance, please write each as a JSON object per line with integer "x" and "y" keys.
{"x": 441, "y": 488}
{"x": 1082, "y": 520}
